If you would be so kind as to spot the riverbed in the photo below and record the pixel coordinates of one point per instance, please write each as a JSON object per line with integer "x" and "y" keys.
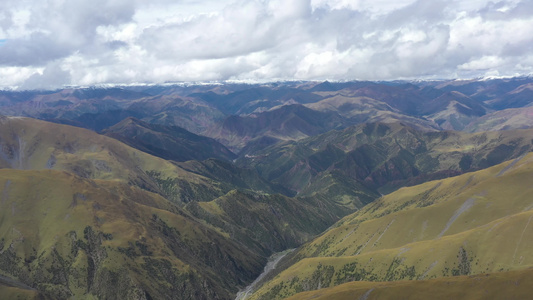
{"x": 273, "y": 261}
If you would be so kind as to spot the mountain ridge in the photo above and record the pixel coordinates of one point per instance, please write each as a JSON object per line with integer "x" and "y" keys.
{"x": 456, "y": 226}
{"x": 167, "y": 142}
{"x": 149, "y": 202}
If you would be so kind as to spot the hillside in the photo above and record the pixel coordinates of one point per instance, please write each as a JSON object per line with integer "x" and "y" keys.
{"x": 382, "y": 157}
{"x": 504, "y": 285}
{"x": 232, "y": 204}
{"x": 32, "y": 144}
{"x": 507, "y": 119}
{"x": 69, "y": 236}
{"x": 167, "y": 142}
{"x": 268, "y": 223}
{"x": 289, "y": 122}
{"x": 185, "y": 190}
{"x": 226, "y": 112}
{"x": 361, "y": 109}
{"x": 454, "y": 111}
{"x": 471, "y": 224}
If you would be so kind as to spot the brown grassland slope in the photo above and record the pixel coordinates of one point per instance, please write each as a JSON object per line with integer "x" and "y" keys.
{"x": 67, "y": 236}
{"x": 471, "y": 224}
{"x": 160, "y": 222}
{"x": 381, "y": 157}
{"x": 30, "y": 144}
{"x": 504, "y": 285}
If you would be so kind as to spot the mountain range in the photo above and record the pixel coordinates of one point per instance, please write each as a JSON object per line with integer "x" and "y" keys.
{"x": 472, "y": 224}
{"x": 185, "y": 191}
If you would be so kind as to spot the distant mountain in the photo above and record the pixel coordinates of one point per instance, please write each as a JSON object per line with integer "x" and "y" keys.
{"x": 453, "y": 110}
{"x": 472, "y": 224}
{"x": 290, "y": 122}
{"x": 191, "y": 187}
{"x": 361, "y": 109}
{"x": 496, "y": 93}
{"x": 173, "y": 110}
{"x": 507, "y": 119}
{"x": 256, "y": 98}
{"x": 99, "y": 108}
{"x": 481, "y": 90}
{"x": 200, "y": 108}
{"x": 327, "y": 86}
{"x": 66, "y": 103}
{"x": 520, "y": 97}
{"x": 405, "y": 99}
{"x": 383, "y": 157}
{"x": 168, "y": 142}
{"x": 98, "y": 121}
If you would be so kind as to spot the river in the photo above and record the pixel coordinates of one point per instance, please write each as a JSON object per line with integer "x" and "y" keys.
{"x": 273, "y": 261}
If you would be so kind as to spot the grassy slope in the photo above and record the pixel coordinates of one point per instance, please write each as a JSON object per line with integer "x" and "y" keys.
{"x": 9, "y": 292}
{"x": 384, "y": 156}
{"x": 257, "y": 221}
{"x": 290, "y": 122}
{"x": 471, "y": 224}
{"x": 168, "y": 142}
{"x": 504, "y": 285}
{"x": 65, "y": 235}
{"x": 511, "y": 118}
{"x": 267, "y": 223}
{"x": 366, "y": 110}
{"x": 232, "y": 177}
{"x": 32, "y": 144}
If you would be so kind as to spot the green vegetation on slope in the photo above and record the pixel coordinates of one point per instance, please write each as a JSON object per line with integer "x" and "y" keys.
{"x": 289, "y": 122}
{"x": 382, "y": 157}
{"x": 504, "y": 285}
{"x": 254, "y": 221}
{"x": 35, "y": 145}
{"x": 69, "y": 236}
{"x": 471, "y": 224}
{"x": 507, "y": 119}
{"x": 168, "y": 142}
{"x": 267, "y": 223}
{"x": 231, "y": 177}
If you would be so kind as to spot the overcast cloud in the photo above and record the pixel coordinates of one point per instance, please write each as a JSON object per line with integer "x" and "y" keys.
{"x": 50, "y": 43}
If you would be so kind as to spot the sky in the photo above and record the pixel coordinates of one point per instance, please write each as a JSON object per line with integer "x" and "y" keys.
{"x": 48, "y": 44}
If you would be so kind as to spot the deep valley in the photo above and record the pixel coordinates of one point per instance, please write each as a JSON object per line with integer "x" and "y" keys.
{"x": 383, "y": 190}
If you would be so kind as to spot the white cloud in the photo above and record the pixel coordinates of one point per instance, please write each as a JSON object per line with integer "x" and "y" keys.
{"x": 483, "y": 63}
{"x": 375, "y": 6}
{"x": 53, "y": 76}
{"x": 54, "y": 42}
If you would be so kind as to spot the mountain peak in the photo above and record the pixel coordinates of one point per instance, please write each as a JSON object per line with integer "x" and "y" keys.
{"x": 128, "y": 122}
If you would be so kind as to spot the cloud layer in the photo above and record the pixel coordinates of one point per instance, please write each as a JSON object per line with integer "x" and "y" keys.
{"x": 47, "y": 44}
